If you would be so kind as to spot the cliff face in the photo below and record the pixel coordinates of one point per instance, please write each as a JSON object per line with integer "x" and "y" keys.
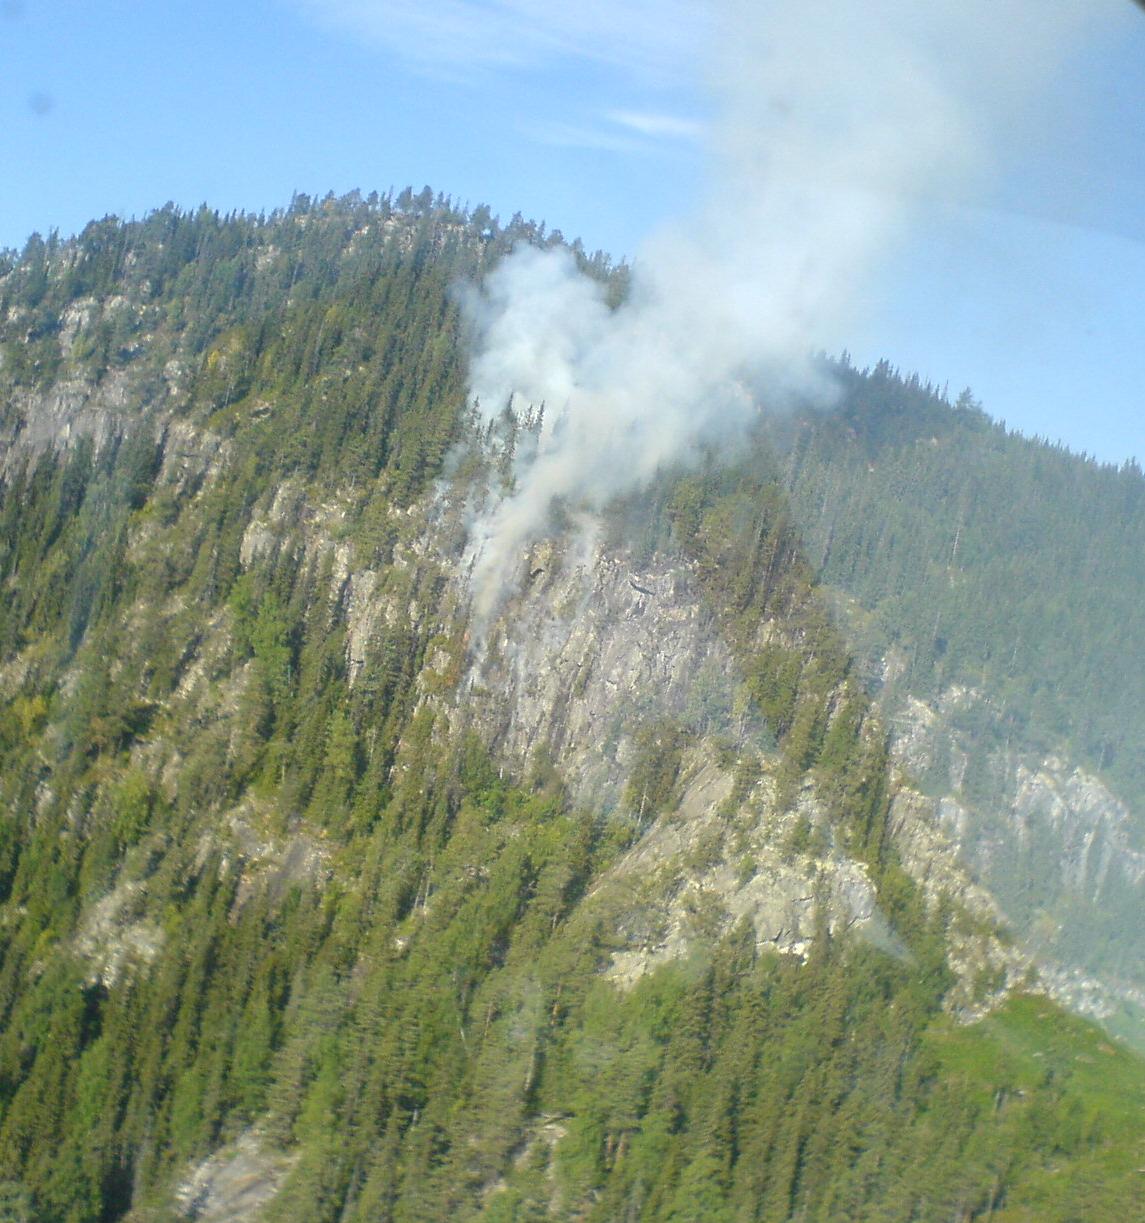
{"x": 150, "y": 383}
{"x": 590, "y": 646}
{"x": 604, "y": 667}
{"x": 597, "y": 664}
{"x": 1055, "y": 846}
{"x": 589, "y": 650}
{"x": 991, "y": 589}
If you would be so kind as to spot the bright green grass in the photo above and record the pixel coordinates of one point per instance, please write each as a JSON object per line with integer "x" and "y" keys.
{"x": 1066, "y": 1099}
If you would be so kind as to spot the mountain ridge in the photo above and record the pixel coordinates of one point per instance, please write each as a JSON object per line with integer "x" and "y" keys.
{"x": 303, "y": 879}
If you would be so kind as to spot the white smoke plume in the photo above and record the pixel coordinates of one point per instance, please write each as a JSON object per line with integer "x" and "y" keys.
{"x": 838, "y": 123}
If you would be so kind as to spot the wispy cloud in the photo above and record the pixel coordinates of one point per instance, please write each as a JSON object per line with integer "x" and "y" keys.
{"x": 657, "y": 126}
{"x": 653, "y": 38}
{"x": 585, "y": 135}
{"x": 628, "y": 132}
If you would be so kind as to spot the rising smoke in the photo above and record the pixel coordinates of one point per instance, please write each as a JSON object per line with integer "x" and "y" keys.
{"x": 839, "y": 122}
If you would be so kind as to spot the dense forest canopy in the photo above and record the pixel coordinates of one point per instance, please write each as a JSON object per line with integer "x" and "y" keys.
{"x": 1000, "y": 562}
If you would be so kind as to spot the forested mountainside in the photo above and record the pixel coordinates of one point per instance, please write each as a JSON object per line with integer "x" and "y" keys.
{"x": 316, "y": 904}
{"x": 993, "y": 588}
{"x": 990, "y": 560}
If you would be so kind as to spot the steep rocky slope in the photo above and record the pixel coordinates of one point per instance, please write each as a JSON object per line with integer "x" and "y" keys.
{"x": 1055, "y": 846}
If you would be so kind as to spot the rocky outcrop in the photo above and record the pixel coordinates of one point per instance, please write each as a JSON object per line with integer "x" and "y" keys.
{"x": 234, "y": 1184}
{"x": 591, "y": 648}
{"x": 718, "y": 861}
{"x": 1052, "y": 846}
{"x": 118, "y": 934}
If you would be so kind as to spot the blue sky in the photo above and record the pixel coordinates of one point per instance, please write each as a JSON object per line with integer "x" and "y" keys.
{"x": 1028, "y": 287}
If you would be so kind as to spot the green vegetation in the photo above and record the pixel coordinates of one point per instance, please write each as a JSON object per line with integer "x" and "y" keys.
{"x": 251, "y": 877}
{"x": 1056, "y": 1084}
{"x": 990, "y": 560}
{"x": 973, "y": 559}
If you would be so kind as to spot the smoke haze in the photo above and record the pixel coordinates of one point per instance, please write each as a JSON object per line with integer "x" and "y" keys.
{"x": 836, "y": 124}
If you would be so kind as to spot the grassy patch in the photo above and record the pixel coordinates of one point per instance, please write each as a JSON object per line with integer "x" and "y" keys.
{"x": 1065, "y": 1098}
